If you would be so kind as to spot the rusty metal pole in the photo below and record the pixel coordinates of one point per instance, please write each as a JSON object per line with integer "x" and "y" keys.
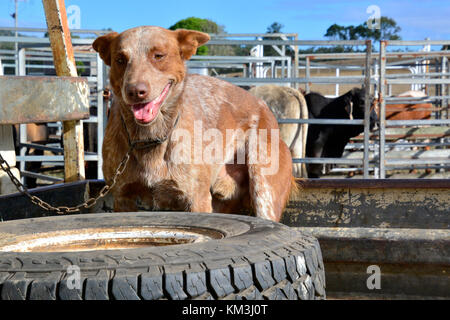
{"x": 16, "y": 35}
{"x": 61, "y": 42}
{"x": 308, "y": 75}
{"x": 296, "y": 58}
{"x": 382, "y": 104}
{"x": 368, "y": 86}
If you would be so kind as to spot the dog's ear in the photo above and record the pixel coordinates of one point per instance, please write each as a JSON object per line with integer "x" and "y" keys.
{"x": 103, "y": 46}
{"x": 189, "y": 41}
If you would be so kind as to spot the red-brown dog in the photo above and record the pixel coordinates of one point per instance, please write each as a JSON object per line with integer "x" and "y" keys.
{"x": 173, "y": 116}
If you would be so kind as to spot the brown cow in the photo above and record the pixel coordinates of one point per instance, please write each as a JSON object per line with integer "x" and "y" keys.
{"x": 421, "y": 111}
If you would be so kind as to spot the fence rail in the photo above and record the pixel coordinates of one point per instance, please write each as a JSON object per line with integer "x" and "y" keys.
{"x": 285, "y": 70}
{"x": 35, "y": 58}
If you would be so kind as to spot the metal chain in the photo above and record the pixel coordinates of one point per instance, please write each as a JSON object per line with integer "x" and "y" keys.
{"x": 66, "y": 210}
{"x": 103, "y": 192}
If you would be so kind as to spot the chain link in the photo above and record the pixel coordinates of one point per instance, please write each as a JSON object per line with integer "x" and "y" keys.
{"x": 66, "y": 210}
{"x": 138, "y": 145}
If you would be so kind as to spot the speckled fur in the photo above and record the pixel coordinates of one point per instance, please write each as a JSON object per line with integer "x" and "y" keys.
{"x": 152, "y": 175}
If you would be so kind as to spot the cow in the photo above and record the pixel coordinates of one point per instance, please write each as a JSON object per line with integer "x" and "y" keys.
{"x": 288, "y": 103}
{"x": 329, "y": 140}
{"x": 413, "y": 111}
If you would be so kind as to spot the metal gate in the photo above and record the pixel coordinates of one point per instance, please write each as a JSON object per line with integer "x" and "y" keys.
{"x": 377, "y": 67}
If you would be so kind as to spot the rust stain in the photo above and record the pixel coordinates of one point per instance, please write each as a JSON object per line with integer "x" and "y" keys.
{"x": 106, "y": 239}
{"x": 60, "y": 38}
{"x": 42, "y": 99}
{"x": 380, "y": 98}
{"x": 65, "y": 66}
{"x": 358, "y": 184}
{"x": 66, "y": 33}
{"x": 367, "y": 207}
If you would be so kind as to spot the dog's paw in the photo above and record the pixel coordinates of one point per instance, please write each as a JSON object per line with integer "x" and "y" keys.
{"x": 224, "y": 188}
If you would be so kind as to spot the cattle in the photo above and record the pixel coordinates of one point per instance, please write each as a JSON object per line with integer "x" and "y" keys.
{"x": 411, "y": 111}
{"x": 288, "y": 103}
{"x": 420, "y": 111}
{"x": 329, "y": 140}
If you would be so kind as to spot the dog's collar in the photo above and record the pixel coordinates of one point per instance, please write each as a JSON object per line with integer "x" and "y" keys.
{"x": 145, "y": 144}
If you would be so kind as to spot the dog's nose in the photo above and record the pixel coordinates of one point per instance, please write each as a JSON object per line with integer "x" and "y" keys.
{"x": 137, "y": 91}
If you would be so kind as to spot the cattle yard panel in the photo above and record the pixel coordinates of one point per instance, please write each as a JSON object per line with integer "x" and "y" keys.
{"x": 367, "y": 84}
{"x": 282, "y": 70}
{"x": 374, "y": 63}
{"x": 34, "y": 58}
{"x": 382, "y": 111}
{"x": 385, "y": 81}
{"x": 370, "y": 79}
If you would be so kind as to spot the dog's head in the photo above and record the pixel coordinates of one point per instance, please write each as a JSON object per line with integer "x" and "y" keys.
{"x": 148, "y": 66}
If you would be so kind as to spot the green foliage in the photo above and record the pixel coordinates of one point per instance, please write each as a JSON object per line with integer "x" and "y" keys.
{"x": 275, "y": 28}
{"x": 389, "y": 30}
{"x": 198, "y": 24}
{"x": 193, "y": 23}
{"x": 207, "y": 26}
{"x": 7, "y": 45}
{"x": 80, "y": 67}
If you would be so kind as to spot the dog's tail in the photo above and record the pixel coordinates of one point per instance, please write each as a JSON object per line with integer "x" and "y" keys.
{"x": 296, "y": 188}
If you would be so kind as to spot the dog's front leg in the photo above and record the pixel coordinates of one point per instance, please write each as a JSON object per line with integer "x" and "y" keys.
{"x": 202, "y": 202}
{"x": 124, "y": 204}
{"x": 125, "y": 197}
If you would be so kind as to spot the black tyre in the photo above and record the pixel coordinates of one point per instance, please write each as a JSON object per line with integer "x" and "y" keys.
{"x": 126, "y": 256}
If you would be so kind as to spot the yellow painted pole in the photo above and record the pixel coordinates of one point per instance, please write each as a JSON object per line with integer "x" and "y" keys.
{"x": 61, "y": 42}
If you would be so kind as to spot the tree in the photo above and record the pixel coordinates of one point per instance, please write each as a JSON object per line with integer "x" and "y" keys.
{"x": 389, "y": 30}
{"x": 337, "y": 32}
{"x": 207, "y": 26}
{"x": 7, "y": 45}
{"x": 275, "y": 28}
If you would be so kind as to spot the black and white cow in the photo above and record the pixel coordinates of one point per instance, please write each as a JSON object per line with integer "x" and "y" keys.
{"x": 329, "y": 140}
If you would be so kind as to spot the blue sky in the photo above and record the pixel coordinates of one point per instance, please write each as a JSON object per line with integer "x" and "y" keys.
{"x": 310, "y": 19}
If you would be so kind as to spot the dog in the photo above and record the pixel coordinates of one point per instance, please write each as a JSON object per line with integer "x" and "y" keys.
{"x": 160, "y": 110}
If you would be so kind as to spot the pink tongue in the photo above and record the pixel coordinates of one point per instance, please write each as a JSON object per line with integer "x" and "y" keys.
{"x": 147, "y": 112}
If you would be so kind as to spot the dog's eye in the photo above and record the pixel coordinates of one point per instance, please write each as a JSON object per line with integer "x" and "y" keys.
{"x": 159, "y": 56}
{"x": 121, "y": 60}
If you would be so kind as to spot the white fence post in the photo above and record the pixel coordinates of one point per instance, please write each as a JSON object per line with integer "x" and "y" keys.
{"x": 8, "y": 153}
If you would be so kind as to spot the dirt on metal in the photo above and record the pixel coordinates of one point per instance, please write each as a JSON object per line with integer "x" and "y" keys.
{"x": 107, "y": 239}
